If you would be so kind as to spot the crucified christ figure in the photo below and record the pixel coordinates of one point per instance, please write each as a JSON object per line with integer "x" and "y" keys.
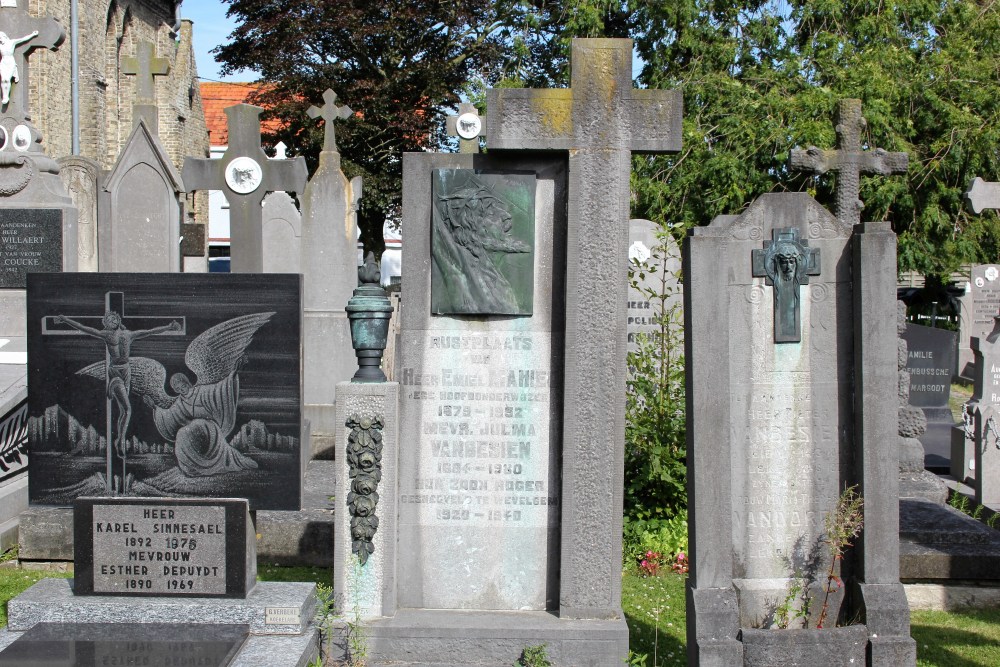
{"x": 8, "y": 66}
{"x": 119, "y": 341}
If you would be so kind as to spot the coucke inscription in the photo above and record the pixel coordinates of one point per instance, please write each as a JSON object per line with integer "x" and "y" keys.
{"x": 175, "y": 550}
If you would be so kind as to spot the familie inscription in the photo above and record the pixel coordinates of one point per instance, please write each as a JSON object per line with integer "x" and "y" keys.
{"x": 170, "y": 547}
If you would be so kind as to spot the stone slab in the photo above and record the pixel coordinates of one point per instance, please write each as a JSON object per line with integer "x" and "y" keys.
{"x": 272, "y": 608}
{"x": 285, "y": 537}
{"x": 169, "y": 547}
{"x": 952, "y": 597}
{"x": 842, "y": 646}
{"x": 258, "y": 650}
{"x": 98, "y": 644}
{"x": 30, "y": 240}
{"x": 238, "y": 431}
{"x": 478, "y": 639}
{"x": 923, "y": 485}
{"x": 939, "y": 542}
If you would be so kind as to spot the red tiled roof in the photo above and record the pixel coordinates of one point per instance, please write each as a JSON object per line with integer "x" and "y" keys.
{"x": 215, "y": 97}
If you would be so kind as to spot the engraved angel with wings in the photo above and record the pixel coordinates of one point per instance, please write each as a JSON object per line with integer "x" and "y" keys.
{"x": 199, "y": 417}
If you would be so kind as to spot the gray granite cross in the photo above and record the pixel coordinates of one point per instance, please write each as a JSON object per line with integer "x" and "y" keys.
{"x": 330, "y": 112}
{"x": 468, "y": 125}
{"x": 600, "y": 121}
{"x": 982, "y": 195}
{"x": 144, "y": 66}
{"x": 114, "y": 302}
{"x": 17, "y": 23}
{"x": 245, "y": 175}
{"x": 849, "y": 160}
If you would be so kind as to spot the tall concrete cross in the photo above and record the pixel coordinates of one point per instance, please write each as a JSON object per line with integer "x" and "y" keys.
{"x": 17, "y": 23}
{"x": 144, "y": 66}
{"x": 982, "y": 195}
{"x": 849, "y": 160}
{"x": 330, "y": 112}
{"x": 245, "y": 175}
{"x": 469, "y": 126}
{"x": 601, "y": 120}
{"x": 114, "y": 302}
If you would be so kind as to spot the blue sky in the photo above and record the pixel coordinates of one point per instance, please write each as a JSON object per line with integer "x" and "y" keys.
{"x": 211, "y": 28}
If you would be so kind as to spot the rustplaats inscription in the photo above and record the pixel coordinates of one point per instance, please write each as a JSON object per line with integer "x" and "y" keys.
{"x": 178, "y": 550}
{"x": 484, "y": 424}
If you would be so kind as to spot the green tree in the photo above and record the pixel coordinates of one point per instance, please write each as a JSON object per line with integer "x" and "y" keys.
{"x": 763, "y": 77}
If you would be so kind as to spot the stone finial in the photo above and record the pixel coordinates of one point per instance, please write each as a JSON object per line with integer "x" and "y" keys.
{"x": 330, "y": 112}
{"x": 280, "y": 151}
{"x": 982, "y": 195}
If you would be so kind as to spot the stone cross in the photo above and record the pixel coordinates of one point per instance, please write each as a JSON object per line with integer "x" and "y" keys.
{"x": 787, "y": 263}
{"x": 469, "y": 126}
{"x": 280, "y": 151}
{"x": 245, "y": 175}
{"x": 849, "y": 160}
{"x": 982, "y": 195}
{"x": 600, "y": 121}
{"x": 114, "y": 302}
{"x": 17, "y": 23}
{"x": 144, "y": 66}
{"x": 330, "y": 112}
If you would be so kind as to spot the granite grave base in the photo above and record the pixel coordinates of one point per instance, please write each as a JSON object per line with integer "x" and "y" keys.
{"x": 277, "y": 615}
{"x": 480, "y": 638}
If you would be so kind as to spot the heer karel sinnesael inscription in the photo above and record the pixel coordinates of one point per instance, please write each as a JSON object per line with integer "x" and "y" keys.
{"x": 159, "y": 549}
{"x": 485, "y": 415}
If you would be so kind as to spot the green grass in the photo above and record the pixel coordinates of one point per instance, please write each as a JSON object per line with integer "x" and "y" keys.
{"x": 654, "y": 610}
{"x": 949, "y": 639}
{"x": 15, "y": 581}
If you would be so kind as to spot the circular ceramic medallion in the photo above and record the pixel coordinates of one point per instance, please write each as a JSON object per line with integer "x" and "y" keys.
{"x": 980, "y": 282}
{"x": 243, "y": 175}
{"x": 638, "y": 252}
{"x": 3, "y": 137}
{"x": 22, "y": 138}
{"x": 469, "y": 125}
{"x": 991, "y": 273}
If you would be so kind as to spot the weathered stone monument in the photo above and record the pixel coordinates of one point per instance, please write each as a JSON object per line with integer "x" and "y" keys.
{"x": 930, "y": 360}
{"x": 330, "y": 269}
{"x": 282, "y": 234}
{"x": 145, "y": 66}
{"x": 982, "y": 463}
{"x": 978, "y": 305}
{"x": 139, "y": 223}
{"x": 245, "y": 175}
{"x": 37, "y": 218}
{"x": 81, "y": 176}
{"x": 790, "y": 353}
{"x": 511, "y": 401}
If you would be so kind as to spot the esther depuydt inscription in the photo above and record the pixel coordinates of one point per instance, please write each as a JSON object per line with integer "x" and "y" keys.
{"x": 162, "y": 547}
{"x": 482, "y": 243}
{"x": 30, "y": 242}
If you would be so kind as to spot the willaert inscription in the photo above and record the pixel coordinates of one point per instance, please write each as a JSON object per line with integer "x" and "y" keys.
{"x": 163, "y": 547}
{"x": 30, "y": 242}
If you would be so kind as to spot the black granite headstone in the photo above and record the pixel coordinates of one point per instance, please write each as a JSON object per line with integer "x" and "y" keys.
{"x": 930, "y": 360}
{"x": 163, "y": 547}
{"x": 101, "y": 644}
{"x": 31, "y": 240}
{"x": 226, "y": 424}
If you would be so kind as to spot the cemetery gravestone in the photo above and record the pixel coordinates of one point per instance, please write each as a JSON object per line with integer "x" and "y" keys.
{"x": 245, "y": 175}
{"x": 655, "y": 265}
{"x": 978, "y": 306}
{"x": 227, "y": 423}
{"x": 781, "y": 428}
{"x": 983, "y": 407}
{"x": 330, "y": 269}
{"x": 282, "y": 235}
{"x": 930, "y": 361}
{"x": 140, "y": 228}
{"x": 179, "y": 548}
{"x": 81, "y": 177}
{"x": 38, "y": 230}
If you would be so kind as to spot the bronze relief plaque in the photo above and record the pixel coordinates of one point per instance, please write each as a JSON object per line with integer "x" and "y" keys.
{"x": 482, "y": 243}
